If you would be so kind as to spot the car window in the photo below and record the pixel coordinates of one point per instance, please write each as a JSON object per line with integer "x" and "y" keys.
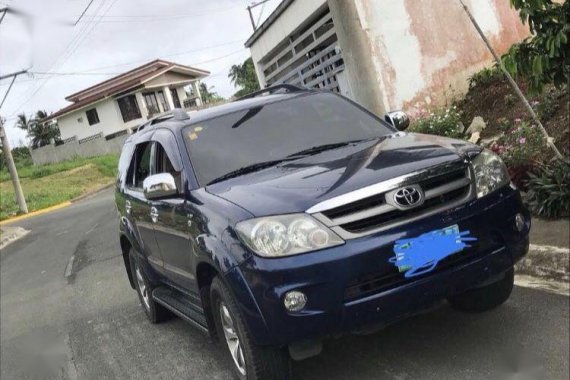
{"x": 164, "y": 165}
{"x": 140, "y": 165}
{"x": 125, "y": 160}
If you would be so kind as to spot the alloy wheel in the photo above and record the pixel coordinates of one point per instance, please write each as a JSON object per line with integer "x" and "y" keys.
{"x": 143, "y": 288}
{"x": 232, "y": 338}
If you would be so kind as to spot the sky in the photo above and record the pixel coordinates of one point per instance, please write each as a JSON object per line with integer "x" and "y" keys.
{"x": 112, "y": 37}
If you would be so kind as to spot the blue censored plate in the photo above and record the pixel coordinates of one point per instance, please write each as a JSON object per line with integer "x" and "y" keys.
{"x": 421, "y": 254}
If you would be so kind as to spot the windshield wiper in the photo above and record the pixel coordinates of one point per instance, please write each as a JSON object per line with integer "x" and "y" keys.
{"x": 246, "y": 169}
{"x": 322, "y": 148}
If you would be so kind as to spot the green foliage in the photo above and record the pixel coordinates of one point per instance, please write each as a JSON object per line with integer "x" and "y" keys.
{"x": 543, "y": 57}
{"x": 485, "y": 76}
{"x": 520, "y": 145}
{"x": 548, "y": 190}
{"x": 244, "y": 76}
{"x": 107, "y": 166}
{"x": 21, "y": 156}
{"x": 444, "y": 122}
{"x": 209, "y": 96}
{"x": 39, "y": 133}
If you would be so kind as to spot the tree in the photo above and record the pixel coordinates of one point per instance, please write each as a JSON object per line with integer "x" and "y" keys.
{"x": 207, "y": 95}
{"x": 543, "y": 57}
{"x": 244, "y": 76}
{"x": 23, "y": 122}
{"x": 40, "y": 133}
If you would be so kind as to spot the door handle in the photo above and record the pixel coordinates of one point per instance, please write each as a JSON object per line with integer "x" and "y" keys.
{"x": 128, "y": 207}
{"x": 154, "y": 214}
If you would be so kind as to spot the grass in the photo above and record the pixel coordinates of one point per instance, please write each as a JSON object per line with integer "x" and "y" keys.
{"x": 48, "y": 185}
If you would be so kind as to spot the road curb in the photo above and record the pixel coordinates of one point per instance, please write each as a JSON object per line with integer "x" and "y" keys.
{"x": 55, "y": 207}
{"x": 35, "y": 213}
{"x": 9, "y": 235}
{"x": 93, "y": 192}
{"x": 546, "y": 262}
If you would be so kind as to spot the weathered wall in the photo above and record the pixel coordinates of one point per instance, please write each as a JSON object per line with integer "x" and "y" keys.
{"x": 423, "y": 51}
{"x": 96, "y": 147}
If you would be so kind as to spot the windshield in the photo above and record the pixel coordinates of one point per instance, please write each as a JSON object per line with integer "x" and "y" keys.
{"x": 274, "y": 131}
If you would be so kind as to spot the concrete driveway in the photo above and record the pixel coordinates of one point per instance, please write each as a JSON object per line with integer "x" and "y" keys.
{"x": 91, "y": 326}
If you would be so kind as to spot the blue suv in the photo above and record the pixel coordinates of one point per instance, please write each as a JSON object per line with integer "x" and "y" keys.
{"x": 293, "y": 215}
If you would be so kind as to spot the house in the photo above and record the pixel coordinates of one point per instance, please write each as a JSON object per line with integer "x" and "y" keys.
{"x": 386, "y": 55}
{"x": 114, "y": 107}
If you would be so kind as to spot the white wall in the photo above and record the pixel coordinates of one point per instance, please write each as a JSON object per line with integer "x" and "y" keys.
{"x": 110, "y": 121}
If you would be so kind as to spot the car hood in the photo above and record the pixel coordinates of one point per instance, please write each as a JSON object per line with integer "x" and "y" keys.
{"x": 295, "y": 186}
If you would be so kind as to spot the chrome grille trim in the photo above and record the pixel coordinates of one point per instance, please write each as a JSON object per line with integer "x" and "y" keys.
{"x": 383, "y": 188}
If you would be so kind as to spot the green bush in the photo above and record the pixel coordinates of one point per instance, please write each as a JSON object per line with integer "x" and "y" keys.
{"x": 444, "y": 122}
{"x": 548, "y": 190}
{"x": 487, "y": 75}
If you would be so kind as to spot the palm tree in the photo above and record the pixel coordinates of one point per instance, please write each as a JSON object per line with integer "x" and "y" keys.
{"x": 23, "y": 122}
{"x": 40, "y": 134}
{"x": 244, "y": 77}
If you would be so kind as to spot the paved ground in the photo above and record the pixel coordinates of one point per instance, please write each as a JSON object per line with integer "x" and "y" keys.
{"x": 94, "y": 328}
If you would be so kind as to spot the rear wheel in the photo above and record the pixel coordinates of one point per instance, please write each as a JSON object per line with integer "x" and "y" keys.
{"x": 250, "y": 362}
{"x": 156, "y": 313}
{"x": 486, "y": 297}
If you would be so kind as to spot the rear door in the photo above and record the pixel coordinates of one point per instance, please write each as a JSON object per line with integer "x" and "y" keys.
{"x": 172, "y": 227}
{"x": 138, "y": 207}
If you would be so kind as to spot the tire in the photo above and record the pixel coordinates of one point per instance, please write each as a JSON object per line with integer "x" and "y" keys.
{"x": 257, "y": 362}
{"x": 487, "y": 297}
{"x": 156, "y": 313}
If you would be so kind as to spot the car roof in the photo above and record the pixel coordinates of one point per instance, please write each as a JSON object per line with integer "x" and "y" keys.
{"x": 210, "y": 113}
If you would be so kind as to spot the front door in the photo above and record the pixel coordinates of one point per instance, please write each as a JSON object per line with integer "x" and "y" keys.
{"x": 139, "y": 208}
{"x": 172, "y": 226}
{"x": 175, "y": 98}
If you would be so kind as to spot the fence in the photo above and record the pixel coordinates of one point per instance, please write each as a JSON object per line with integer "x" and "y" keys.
{"x": 91, "y": 146}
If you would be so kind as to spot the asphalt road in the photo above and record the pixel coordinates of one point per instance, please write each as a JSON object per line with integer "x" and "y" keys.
{"x": 93, "y": 327}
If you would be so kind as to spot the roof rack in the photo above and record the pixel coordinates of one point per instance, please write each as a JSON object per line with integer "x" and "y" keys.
{"x": 180, "y": 114}
{"x": 272, "y": 89}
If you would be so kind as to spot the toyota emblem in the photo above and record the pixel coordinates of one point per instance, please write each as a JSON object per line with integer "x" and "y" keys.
{"x": 408, "y": 197}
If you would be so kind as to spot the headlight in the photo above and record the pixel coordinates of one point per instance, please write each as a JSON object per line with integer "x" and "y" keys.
{"x": 285, "y": 235}
{"x": 490, "y": 173}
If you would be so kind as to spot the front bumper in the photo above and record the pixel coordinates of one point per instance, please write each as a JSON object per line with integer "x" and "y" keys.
{"x": 354, "y": 286}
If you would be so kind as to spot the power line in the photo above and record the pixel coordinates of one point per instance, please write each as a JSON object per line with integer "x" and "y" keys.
{"x": 71, "y": 52}
{"x": 83, "y": 13}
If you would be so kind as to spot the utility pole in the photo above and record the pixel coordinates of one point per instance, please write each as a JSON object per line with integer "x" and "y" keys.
{"x": 8, "y": 150}
{"x": 249, "y": 8}
{"x": 12, "y": 169}
{"x": 514, "y": 86}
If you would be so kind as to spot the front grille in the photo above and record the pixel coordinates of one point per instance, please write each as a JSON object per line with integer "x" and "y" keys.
{"x": 445, "y": 188}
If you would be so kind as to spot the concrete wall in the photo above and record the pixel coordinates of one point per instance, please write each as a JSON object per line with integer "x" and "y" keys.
{"x": 97, "y": 147}
{"x": 423, "y": 51}
{"x": 281, "y": 28}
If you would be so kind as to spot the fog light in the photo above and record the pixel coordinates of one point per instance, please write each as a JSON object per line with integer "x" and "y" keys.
{"x": 519, "y": 222}
{"x": 295, "y": 300}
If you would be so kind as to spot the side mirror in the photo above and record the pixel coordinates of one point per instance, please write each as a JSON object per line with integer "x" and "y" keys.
{"x": 398, "y": 119}
{"x": 159, "y": 186}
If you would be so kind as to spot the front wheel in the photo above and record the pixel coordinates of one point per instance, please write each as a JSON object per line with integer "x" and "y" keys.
{"x": 486, "y": 297}
{"x": 250, "y": 362}
{"x": 156, "y": 313}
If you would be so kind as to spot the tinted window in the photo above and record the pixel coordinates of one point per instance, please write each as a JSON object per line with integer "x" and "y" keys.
{"x": 92, "y": 116}
{"x": 125, "y": 159}
{"x": 140, "y": 165}
{"x": 274, "y": 131}
{"x": 164, "y": 165}
{"x": 129, "y": 108}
